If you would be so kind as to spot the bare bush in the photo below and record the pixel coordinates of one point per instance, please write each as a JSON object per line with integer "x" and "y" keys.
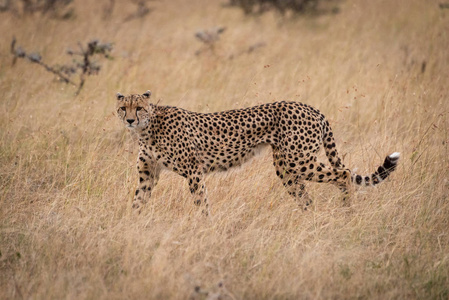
{"x": 209, "y": 37}
{"x": 54, "y": 8}
{"x": 282, "y": 6}
{"x": 142, "y": 10}
{"x": 84, "y": 67}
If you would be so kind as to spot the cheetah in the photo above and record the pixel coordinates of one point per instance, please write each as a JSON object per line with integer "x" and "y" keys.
{"x": 193, "y": 144}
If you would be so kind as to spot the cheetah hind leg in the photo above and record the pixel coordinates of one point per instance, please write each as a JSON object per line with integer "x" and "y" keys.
{"x": 296, "y": 188}
{"x": 294, "y": 185}
{"x": 336, "y": 176}
{"x": 300, "y": 195}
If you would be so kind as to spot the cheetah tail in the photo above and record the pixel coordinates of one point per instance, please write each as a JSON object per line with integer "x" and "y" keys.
{"x": 330, "y": 148}
{"x": 383, "y": 171}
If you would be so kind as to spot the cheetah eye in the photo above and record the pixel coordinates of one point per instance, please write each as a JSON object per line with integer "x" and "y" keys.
{"x": 123, "y": 108}
{"x": 139, "y": 108}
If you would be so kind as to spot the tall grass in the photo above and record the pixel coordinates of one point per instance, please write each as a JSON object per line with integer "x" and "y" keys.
{"x": 67, "y": 175}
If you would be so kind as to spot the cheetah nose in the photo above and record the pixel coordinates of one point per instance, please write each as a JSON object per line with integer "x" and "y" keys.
{"x": 130, "y": 121}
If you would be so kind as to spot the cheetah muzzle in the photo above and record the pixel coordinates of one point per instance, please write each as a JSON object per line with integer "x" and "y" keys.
{"x": 193, "y": 144}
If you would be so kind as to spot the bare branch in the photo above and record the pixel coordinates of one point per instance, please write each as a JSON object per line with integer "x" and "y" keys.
{"x": 86, "y": 66}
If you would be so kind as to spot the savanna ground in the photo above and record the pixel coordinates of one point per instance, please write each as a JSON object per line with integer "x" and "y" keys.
{"x": 378, "y": 70}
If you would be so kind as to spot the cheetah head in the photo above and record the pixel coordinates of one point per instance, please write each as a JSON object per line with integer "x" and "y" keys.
{"x": 134, "y": 110}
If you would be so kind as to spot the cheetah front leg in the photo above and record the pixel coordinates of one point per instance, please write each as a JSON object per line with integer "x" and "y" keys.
{"x": 148, "y": 171}
{"x": 198, "y": 190}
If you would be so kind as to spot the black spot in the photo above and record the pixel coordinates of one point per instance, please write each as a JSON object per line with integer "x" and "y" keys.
{"x": 382, "y": 172}
{"x": 358, "y": 179}
{"x": 390, "y": 164}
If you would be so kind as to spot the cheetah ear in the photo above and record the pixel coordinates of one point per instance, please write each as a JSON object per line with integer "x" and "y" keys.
{"x": 120, "y": 96}
{"x": 147, "y": 94}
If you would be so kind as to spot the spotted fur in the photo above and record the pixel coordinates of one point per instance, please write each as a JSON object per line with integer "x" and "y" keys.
{"x": 193, "y": 144}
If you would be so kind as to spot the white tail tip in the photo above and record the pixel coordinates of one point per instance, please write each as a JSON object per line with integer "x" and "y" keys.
{"x": 394, "y": 155}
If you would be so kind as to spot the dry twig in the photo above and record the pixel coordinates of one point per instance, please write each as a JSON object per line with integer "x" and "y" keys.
{"x": 87, "y": 66}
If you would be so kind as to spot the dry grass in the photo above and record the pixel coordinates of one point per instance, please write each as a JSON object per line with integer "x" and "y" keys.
{"x": 67, "y": 165}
